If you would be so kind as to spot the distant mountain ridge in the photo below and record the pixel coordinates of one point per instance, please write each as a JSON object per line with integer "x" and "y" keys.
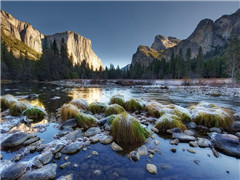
{"x": 24, "y": 40}
{"x": 208, "y": 34}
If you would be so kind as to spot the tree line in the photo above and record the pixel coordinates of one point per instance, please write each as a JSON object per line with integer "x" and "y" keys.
{"x": 54, "y": 64}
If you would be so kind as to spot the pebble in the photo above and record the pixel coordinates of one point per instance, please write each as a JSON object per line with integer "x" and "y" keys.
{"x": 157, "y": 142}
{"x": 97, "y": 172}
{"x": 191, "y": 151}
{"x": 164, "y": 166}
{"x": 106, "y": 140}
{"x": 17, "y": 157}
{"x": 64, "y": 165}
{"x": 142, "y": 150}
{"x": 58, "y": 155}
{"x": 134, "y": 155}
{"x": 66, "y": 158}
{"x": 193, "y": 144}
{"x": 75, "y": 165}
{"x": 94, "y": 153}
{"x": 174, "y": 142}
{"x": 94, "y": 140}
{"x": 151, "y": 168}
{"x": 116, "y": 147}
{"x": 150, "y": 156}
{"x": 196, "y": 162}
{"x": 173, "y": 150}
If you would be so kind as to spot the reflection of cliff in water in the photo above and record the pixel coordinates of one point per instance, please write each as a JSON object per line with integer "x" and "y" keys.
{"x": 89, "y": 94}
{"x": 37, "y": 102}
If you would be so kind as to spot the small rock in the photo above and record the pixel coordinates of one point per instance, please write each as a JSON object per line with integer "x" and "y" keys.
{"x": 32, "y": 149}
{"x": 75, "y": 165}
{"x": 69, "y": 123}
{"x": 191, "y": 125}
{"x": 164, "y": 166}
{"x": 189, "y": 132}
{"x": 151, "y": 168}
{"x": 30, "y": 141}
{"x": 64, "y": 165}
{"x": 58, "y": 155}
{"x": 196, "y": 162}
{"x": 94, "y": 153}
{"x": 151, "y": 151}
{"x": 66, "y": 158}
{"x": 46, "y": 157}
{"x": 92, "y": 131}
{"x": 236, "y": 126}
{"x": 67, "y": 177}
{"x": 237, "y": 134}
{"x": 203, "y": 128}
{"x": 173, "y": 150}
{"x": 215, "y": 129}
{"x": 97, "y": 172}
{"x": 142, "y": 150}
{"x": 193, "y": 144}
{"x": 153, "y": 129}
{"x": 74, "y": 135}
{"x": 72, "y": 148}
{"x": 134, "y": 155}
{"x": 106, "y": 140}
{"x": 183, "y": 137}
{"x": 202, "y": 142}
{"x": 174, "y": 142}
{"x": 157, "y": 142}
{"x": 150, "y": 156}
{"x": 191, "y": 151}
{"x": 94, "y": 140}
{"x": 84, "y": 149}
{"x": 17, "y": 157}
{"x": 173, "y": 130}
{"x": 116, "y": 147}
{"x": 183, "y": 149}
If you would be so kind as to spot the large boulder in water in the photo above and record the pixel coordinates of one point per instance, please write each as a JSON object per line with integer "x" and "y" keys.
{"x": 13, "y": 171}
{"x": 227, "y": 143}
{"x": 14, "y": 140}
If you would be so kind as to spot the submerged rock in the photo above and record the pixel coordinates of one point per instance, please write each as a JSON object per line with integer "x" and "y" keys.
{"x": 142, "y": 150}
{"x": 151, "y": 168}
{"x": 13, "y": 171}
{"x": 227, "y": 143}
{"x": 74, "y": 135}
{"x": 72, "y": 148}
{"x": 134, "y": 155}
{"x": 183, "y": 137}
{"x": 69, "y": 123}
{"x": 45, "y": 157}
{"x": 64, "y": 165}
{"x": 174, "y": 142}
{"x": 14, "y": 140}
{"x": 31, "y": 140}
{"x": 46, "y": 172}
{"x": 202, "y": 142}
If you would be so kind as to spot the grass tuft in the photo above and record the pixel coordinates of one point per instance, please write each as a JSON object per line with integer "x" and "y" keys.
{"x": 85, "y": 120}
{"x": 126, "y": 130}
{"x": 135, "y": 104}
{"x": 117, "y": 99}
{"x": 17, "y": 108}
{"x": 80, "y": 103}
{"x": 36, "y": 113}
{"x": 168, "y": 121}
{"x": 97, "y": 107}
{"x": 7, "y": 101}
{"x": 68, "y": 111}
{"x": 114, "y": 109}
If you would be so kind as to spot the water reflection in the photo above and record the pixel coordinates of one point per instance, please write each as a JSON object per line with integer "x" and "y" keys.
{"x": 37, "y": 102}
{"x": 89, "y": 94}
{"x": 30, "y": 128}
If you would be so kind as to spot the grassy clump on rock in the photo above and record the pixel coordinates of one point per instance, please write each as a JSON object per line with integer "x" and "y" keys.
{"x": 117, "y": 99}
{"x": 86, "y": 120}
{"x": 80, "y": 103}
{"x": 35, "y": 113}
{"x": 126, "y": 130}
{"x": 135, "y": 104}
{"x": 114, "y": 109}
{"x": 154, "y": 109}
{"x": 168, "y": 121}
{"x": 210, "y": 115}
{"x": 17, "y": 108}
{"x": 68, "y": 111}
{"x": 97, "y": 107}
{"x": 7, "y": 101}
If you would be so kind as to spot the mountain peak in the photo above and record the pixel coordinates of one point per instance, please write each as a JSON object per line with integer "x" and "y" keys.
{"x": 161, "y": 42}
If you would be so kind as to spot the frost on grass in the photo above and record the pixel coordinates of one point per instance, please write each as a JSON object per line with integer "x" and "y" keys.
{"x": 17, "y": 108}
{"x": 80, "y": 103}
{"x": 97, "y": 107}
{"x": 36, "y": 113}
{"x": 211, "y": 115}
{"x": 135, "y": 104}
{"x": 126, "y": 130}
{"x": 168, "y": 121}
{"x": 68, "y": 111}
{"x": 7, "y": 101}
{"x": 117, "y": 99}
{"x": 114, "y": 109}
{"x": 86, "y": 120}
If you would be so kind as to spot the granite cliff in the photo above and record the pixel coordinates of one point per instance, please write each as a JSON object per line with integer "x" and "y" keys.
{"x": 24, "y": 40}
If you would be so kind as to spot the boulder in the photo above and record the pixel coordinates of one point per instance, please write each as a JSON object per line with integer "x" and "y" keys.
{"x": 183, "y": 137}
{"x": 69, "y": 123}
{"x": 14, "y": 140}
{"x": 13, "y": 171}
{"x": 72, "y": 148}
{"x": 92, "y": 131}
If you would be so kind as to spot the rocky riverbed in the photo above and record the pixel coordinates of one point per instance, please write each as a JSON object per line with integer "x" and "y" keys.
{"x": 50, "y": 149}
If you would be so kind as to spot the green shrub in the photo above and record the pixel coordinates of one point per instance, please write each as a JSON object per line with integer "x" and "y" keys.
{"x": 36, "y": 113}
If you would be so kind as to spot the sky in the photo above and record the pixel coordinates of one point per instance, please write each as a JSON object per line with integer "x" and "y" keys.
{"x": 116, "y": 29}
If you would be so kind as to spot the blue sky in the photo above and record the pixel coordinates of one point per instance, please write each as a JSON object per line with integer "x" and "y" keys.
{"x": 116, "y": 29}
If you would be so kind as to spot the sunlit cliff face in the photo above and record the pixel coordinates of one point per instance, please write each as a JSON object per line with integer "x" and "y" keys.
{"x": 89, "y": 94}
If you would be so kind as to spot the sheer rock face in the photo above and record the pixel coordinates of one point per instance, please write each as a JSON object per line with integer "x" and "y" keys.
{"x": 209, "y": 35}
{"x": 78, "y": 46}
{"x": 162, "y": 42}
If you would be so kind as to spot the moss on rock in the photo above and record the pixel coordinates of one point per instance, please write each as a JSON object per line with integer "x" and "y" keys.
{"x": 126, "y": 130}
{"x": 114, "y": 109}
